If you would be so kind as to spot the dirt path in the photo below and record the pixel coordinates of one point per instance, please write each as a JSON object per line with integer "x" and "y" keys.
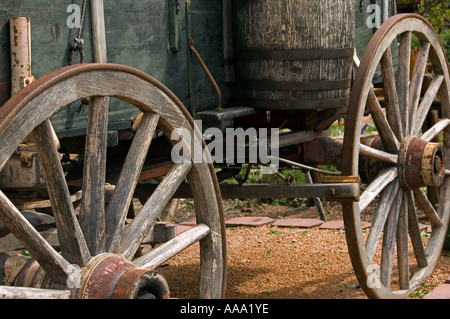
{"x": 282, "y": 263}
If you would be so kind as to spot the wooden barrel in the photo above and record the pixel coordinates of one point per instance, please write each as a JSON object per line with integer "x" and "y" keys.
{"x": 295, "y": 54}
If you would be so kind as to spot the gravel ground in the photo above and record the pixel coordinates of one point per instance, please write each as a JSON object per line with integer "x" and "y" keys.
{"x": 282, "y": 263}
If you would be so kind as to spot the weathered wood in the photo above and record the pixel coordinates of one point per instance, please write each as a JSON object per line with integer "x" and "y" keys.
{"x": 228, "y": 191}
{"x": 388, "y": 245}
{"x": 390, "y": 141}
{"x": 33, "y": 293}
{"x": 386, "y": 200}
{"x": 132, "y": 235}
{"x": 427, "y": 207}
{"x": 132, "y": 167}
{"x": 403, "y": 79}
{"x": 393, "y": 114}
{"x": 384, "y": 178}
{"x": 92, "y": 206}
{"x": 170, "y": 249}
{"x": 55, "y": 265}
{"x": 282, "y": 46}
{"x": 417, "y": 79}
{"x": 402, "y": 244}
{"x": 382, "y": 156}
{"x": 427, "y": 101}
{"x": 437, "y": 128}
{"x": 98, "y": 31}
{"x": 73, "y": 244}
{"x": 414, "y": 232}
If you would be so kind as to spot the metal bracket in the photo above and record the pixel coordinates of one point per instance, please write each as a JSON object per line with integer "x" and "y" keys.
{"x": 174, "y": 26}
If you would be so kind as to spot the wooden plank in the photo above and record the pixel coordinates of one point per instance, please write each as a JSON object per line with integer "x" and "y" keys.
{"x": 92, "y": 206}
{"x": 132, "y": 167}
{"x": 170, "y": 249}
{"x": 133, "y": 234}
{"x": 330, "y": 191}
{"x": 98, "y": 31}
{"x": 73, "y": 244}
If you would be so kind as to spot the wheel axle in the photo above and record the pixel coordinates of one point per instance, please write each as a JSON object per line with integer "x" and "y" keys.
{"x": 110, "y": 276}
{"x": 421, "y": 163}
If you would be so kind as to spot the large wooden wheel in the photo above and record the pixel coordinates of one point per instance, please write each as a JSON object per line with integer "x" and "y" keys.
{"x": 408, "y": 183}
{"x": 97, "y": 241}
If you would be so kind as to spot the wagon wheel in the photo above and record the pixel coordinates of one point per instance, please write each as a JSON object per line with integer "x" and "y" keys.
{"x": 412, "y": 160}
{"x": 97, "y": 241}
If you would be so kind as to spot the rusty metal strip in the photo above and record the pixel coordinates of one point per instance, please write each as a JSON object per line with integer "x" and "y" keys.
{"x": 317, "y": 104}
{"x": 299, "y": 54}
{"x": 321, "y": 85}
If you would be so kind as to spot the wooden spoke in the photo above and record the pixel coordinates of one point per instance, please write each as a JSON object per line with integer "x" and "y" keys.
{"x": 378, "y": 155}
{"x": 92, "y": 207}
{"x": 54, "y": 264}
{"x": 391, "y": 97}
{"x": 170, "y": 249}
{"x": 389, "y": 235}
{"x": 414, "y": 232}
{"x": 425, "y": 105}
{"x": 417, "y": 82}
{"x": 71, "y": 239}
{"x": 435, "y": 130}
{"x": 133, "y": 234}
{"x": 404, "y": 64}
{"x": 33, "y": 293}
{"x": 120, "y": 202}
{"x": 388, "y": 138}
{"x": 423, "y": 201}
{"x": 402, "y": 244}
{"x": 383, "y": 179}
{"x": 386, "y": 200}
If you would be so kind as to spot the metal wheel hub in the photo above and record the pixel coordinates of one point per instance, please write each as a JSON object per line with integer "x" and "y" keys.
{"x": 421, "y": 163}
{"x": 109, "y": 276}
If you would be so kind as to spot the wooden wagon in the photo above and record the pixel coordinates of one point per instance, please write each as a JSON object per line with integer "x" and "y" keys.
{"x": 84, "y": 127}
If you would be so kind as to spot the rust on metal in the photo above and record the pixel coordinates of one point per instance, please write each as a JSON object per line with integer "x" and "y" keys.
{"x": 99, "y": 276}
{"x": 421, "y": 163}
{"x": 141, "y": 283}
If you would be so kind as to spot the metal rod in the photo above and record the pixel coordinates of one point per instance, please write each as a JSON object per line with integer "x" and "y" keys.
{"x": 208, "y": 74}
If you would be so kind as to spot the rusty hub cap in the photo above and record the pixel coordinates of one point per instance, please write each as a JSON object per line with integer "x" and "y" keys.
{"x": 421, "y": 163}
{"x": 113, "y": 276}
